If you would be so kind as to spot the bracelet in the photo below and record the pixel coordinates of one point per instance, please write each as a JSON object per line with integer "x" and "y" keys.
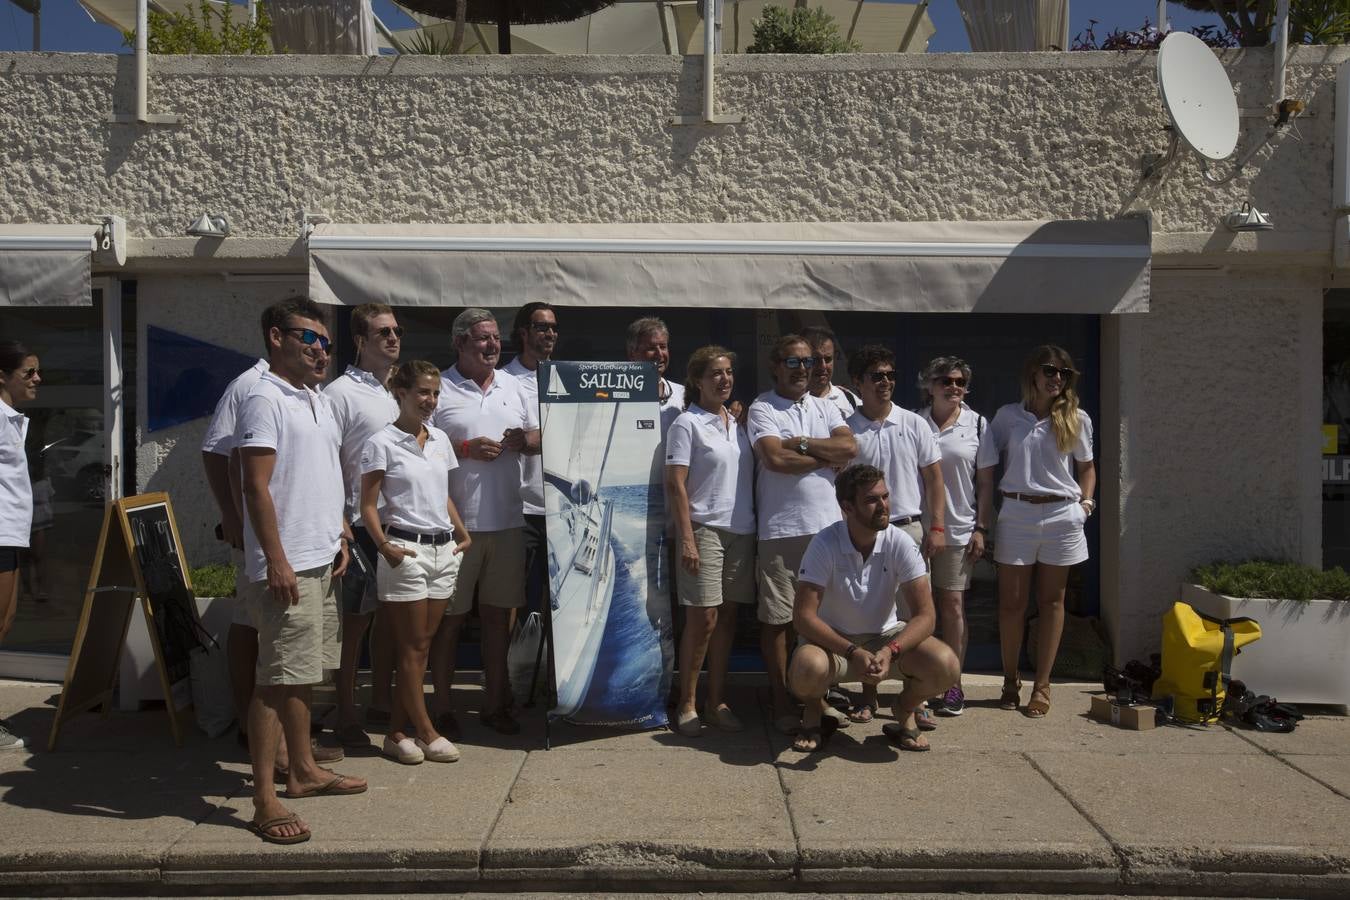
{"x": 938, "y": 528}
{"x": 463, "y": 448}
{"x": 848, "y": 653}
{"x": 894, "y": 647}
{"x": 982, "y": 530}
{"x": 385, "y": 541}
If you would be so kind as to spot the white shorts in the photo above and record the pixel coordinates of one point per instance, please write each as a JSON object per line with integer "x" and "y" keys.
{"x": 430, "y": 575}
{"x": 1050, "y": 533}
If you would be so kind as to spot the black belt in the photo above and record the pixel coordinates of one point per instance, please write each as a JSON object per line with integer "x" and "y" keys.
{"x": 440, "y": 537}
{"x": 1035, "y": 498}
{"x": 903, "y": 521}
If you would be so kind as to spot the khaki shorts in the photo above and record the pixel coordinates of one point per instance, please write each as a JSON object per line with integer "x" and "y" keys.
{"x": 950, "y": 570}
{"x": 297, "y": 642}
{"x": 842, "y": 669}
{"x": 494, "y": 564}
{"x": 726, "y": 569}
{"x": 776, "y": 565}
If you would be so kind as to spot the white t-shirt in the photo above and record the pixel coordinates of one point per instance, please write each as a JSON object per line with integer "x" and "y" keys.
{"x": 220, "y": 432}
{"x": 899, "y": 445}
{"x": 416, "y": 478}
{"x": 861, "y": 596}
{"x": 793, "y": 505}
{"x": 959, "y": 444}
{"x": 672, "y": 406}
{"x": 721, "y": 469}
{"x": 362, "y": 406}
{"x": 487, "y": 493}
{"x": 844, "y": 400}
{"x": 16, "y": 491}
{"x": 1032, "y": 461}
{"x": 531, "y": 467}
{"x": 306, "y": 485}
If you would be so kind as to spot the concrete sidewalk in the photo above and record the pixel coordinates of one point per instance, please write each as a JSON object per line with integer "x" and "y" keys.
{"x": 1002, "y": 803}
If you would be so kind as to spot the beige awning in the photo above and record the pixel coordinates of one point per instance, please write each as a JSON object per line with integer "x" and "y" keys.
{"x": 996, "y": 267}
{"x": 45, "y": 265}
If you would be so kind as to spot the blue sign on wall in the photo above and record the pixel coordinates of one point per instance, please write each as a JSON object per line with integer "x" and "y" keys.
{"x": 184, "y": 377}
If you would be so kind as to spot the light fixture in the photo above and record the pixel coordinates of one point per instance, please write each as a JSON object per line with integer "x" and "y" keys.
{"x": 213, "y": 225}
{"x": 1248, "y": 218}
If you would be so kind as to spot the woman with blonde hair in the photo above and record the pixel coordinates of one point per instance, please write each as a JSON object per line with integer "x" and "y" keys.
{"x": 1045, "y": 445}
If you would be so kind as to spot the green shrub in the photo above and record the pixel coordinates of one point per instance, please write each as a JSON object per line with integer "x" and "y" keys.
{"x": 213, "y": 581}
{"x": 1273, "y": 581}
{"x": 215, "y": 32}
{"x": 799, "y": 31}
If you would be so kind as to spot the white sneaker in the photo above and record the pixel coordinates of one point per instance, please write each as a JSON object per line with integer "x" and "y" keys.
{"x": 8, "y": 739}
{"x": 439, "y": 750}
{"x": 405, "y": 751}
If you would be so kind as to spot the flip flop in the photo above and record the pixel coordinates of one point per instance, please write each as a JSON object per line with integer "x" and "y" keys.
{"x": 898, "y": 735}
{"x": 331, "y": 788}
{"x": 862, "y": 713}
{"x": 924, "y": 717}
{"x": 264, "y": 828}
{"x": 822, "y": 734}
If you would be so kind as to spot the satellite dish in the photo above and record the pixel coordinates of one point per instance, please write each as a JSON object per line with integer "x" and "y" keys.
{"x": 1198, "y": 96}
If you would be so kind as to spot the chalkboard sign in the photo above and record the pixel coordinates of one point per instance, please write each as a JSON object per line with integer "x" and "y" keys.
{"x": 139, "y": 556}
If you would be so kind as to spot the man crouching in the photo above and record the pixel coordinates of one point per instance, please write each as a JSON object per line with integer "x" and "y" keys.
{"x": 854, "y": 577}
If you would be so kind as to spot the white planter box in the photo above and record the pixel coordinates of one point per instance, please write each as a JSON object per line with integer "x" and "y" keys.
{"x": 137, "y": 680}
{"x": 1303, "y": 655}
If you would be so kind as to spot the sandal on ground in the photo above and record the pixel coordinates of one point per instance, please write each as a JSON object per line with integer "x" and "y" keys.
{"x": 339, "y": 785}
{"x": 1039, "y": 704}
{"x": 267, "y": 830}
{"x": 923, "y": 717}
{"x": 820, "y": 734}
{"x": 688, "y": 724}
{"x": 788, "y": 723}
{"x": 721, "y": 717}
{"x": 862, "y": 713}
{"x": 1012, "y": 694}
{"x": 906, "y": 738}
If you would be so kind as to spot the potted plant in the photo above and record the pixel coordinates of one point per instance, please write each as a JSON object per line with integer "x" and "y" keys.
{"x": 211, "y": 584}
{"x": 1303, "y": 655}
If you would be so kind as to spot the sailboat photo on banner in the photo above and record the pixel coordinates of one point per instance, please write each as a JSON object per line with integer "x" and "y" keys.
{"x": 605, "y": 514}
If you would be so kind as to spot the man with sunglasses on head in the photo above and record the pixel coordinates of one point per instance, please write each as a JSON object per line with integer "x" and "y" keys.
{"x": 295, "y": 542}
{"x": 825, "y": 348}
{"x": 800, "y": 441}
{"x": 362, "y": 405}
{"x": 648, "y": 340}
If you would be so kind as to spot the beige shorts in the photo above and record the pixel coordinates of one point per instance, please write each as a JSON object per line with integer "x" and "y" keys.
{"x": 950, "y": 570}
{"x": 914, "y": 530}
{"x": 430, "y": 575}
{"x": 297, "y": 642}
{"x": 776, "y": 565}
{"x": 726, "y": 569}
{"x": 842, "y": 669}
{"x": 494, "y": 564}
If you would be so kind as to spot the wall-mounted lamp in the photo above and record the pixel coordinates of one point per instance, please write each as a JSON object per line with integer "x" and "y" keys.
{"x": 213, "y": 225}
{"x": 1248, "y": 218}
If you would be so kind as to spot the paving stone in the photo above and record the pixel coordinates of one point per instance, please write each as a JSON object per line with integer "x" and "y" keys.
{"x": 1330, "y": 770}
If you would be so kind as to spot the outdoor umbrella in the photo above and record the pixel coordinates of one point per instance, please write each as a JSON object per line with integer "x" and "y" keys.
{"x": 510, "y": 12}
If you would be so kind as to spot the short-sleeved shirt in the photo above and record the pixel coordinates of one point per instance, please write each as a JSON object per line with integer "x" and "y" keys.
{"x": 416, "y": 477}
{"x": 844, "y": 400}
{"x": 793, "y": 505}
{"x": 721, "y": 469}
{"x": 1032, "y": 460}
{"x": 531, "y": 467}
{"x": 672, "y": 406}
{"x": 899, "y": 445}
{"x": 16, "y": 491}
{"x": 362, "y": 406}
{"x": 860, "y": 596}
{"x": 220, "y": 432}
{"x": 486, "y": 492}
{"x": 959, "y": 444}
{"x": 306, "y": 485}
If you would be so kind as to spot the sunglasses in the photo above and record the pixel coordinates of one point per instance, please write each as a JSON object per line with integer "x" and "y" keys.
{"x": 388, "y": 331}
{"x": 543, "y": 327}
{"x": 879, "y": 377}
{"x": 309, "y": 337}
{"x": 29, "y": 374}
{"x": 948, "y": 381}
{"x": 800, "y": 362}
{"x": 1050, "y": 371}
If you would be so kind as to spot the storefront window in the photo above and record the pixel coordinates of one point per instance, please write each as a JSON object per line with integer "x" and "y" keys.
{"x": 1336, "y": 429}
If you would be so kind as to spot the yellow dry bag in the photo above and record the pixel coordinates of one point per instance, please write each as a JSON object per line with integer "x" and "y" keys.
{"x": 1197, "y": 657}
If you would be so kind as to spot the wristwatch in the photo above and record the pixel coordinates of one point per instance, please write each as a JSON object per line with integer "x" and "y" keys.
{"x": 801, "y": 445}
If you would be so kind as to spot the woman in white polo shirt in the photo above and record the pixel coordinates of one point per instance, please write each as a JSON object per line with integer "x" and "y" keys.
{"x": 957, "y": 428}
{"x": 19, "y": 380}
{"x": 710, "y": 483}
{"x": 406, "y": 507}
{"x": 1045, "y": 445}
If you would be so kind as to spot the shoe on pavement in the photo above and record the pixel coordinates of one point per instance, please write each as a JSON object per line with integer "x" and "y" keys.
{"x": 405, "y": 751}
{"x": 953, "y": 702}
{"x": 323, "y": 753}
{"x": 8, "y": 739}
{"x": 440, "y": 750}
{"x": 688, "y": 724}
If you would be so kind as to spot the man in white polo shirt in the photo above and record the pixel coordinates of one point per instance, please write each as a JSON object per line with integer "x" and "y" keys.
{"x": 825, "y": 348}
{"x": 854, "y": 576}
{"x": 295, "y": 541}
{"x": 490, "y": 420}
{"x": 362, "y": 406}
{"x": 648, "y": 340}
{"x": 799, "y": 440}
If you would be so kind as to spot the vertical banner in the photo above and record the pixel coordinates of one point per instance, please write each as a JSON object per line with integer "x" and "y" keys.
{"x": 605, "y": 515}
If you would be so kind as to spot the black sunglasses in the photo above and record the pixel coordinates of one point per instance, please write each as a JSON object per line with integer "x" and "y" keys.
{"x": 879, "y": 377}
{"x": 800, "y": 362}
{"x": 388, "y": 331}
{"x": 310, "y": 337}
{"x": 1050, "y": 371}
{"x": 544, "y": 327}
{"x": 948, "y": 381}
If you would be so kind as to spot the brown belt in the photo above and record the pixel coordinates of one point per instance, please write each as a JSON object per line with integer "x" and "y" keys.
{"x": 1035, "y": 498}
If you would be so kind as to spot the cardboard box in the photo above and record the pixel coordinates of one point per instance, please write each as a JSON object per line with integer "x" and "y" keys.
{"x": 1134, "y": 718}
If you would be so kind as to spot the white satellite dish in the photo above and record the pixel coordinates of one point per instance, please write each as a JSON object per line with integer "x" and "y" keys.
{"x": 1198, "y": 96}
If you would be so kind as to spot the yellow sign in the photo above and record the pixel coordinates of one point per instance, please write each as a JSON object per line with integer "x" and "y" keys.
{"x": 1331, "y": 439}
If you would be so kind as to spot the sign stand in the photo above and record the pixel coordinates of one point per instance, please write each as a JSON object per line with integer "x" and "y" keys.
{"x": 138, "y": 556}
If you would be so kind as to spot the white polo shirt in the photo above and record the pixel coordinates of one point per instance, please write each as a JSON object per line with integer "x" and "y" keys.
{"x": 306, "y": 485}
{"x": 16, "y": 491}
{"x": 844, "y": 400}
{"x": 721, "y": 469}
{"x": 899, "y": 445}
{"x": 959, "y": 444}
{"x": 362, "y": 406}
{"x": 220, "y": 432}
{"x": 416, "y": 478}
{"x": 860, "y": 596}
{"x": 531, "y": 467}
{"x": 487, "y": 493}
{"x": 793, "y": 505}
{"x": 1032, "y": 461}
{"x": 672, "y": 406}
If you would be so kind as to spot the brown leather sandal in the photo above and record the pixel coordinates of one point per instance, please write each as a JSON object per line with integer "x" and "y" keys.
{"x": 1012, "y": 694}
{"x": 1039, "y": 704}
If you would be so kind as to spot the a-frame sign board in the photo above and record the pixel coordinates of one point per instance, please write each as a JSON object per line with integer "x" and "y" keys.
{"x": 139, "y": 538}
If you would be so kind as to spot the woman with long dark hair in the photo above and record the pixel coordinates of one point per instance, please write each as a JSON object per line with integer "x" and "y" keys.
{"x": 19, "y": 380}
{"x": 1045, "y": 445}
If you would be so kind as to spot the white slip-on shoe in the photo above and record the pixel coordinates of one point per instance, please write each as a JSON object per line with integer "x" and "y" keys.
{"x": 405, "y": 751}
{"x": 439, "y": 750}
